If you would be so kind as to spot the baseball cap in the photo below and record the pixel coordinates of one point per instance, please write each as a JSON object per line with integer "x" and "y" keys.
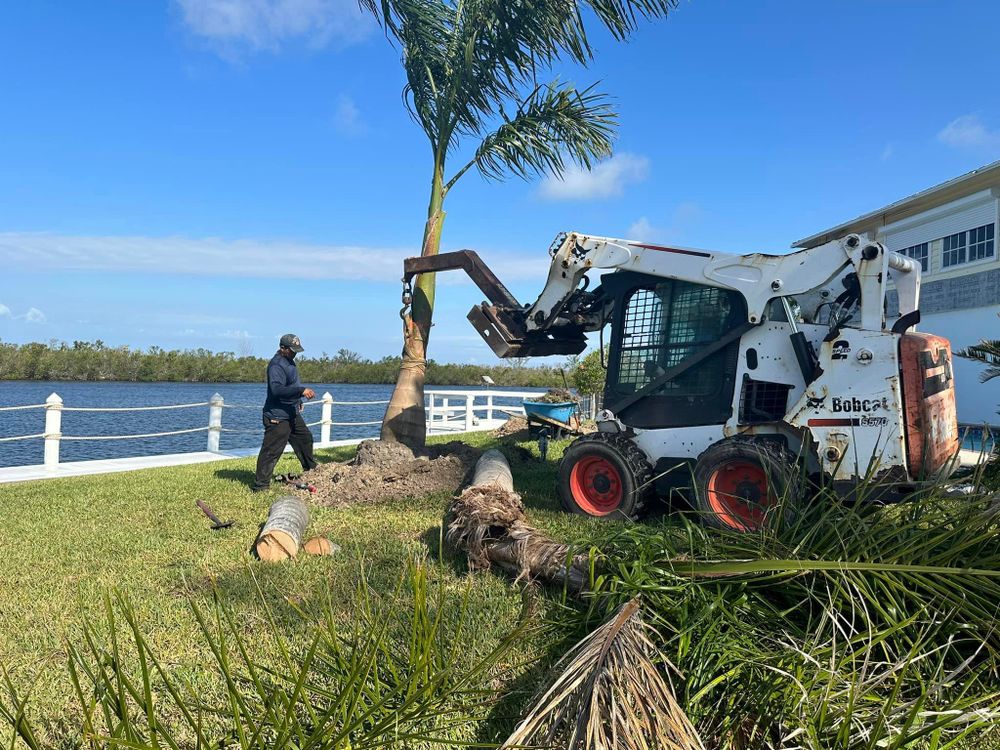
{"x": 291, "y": 341}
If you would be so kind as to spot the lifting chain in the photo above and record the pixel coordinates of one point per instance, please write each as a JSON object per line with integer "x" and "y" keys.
{"x": 406, "y": 299}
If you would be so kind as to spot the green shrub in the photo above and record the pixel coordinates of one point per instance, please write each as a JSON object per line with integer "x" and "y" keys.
{"x": 853, "y": 627}
{"x": 589, "y": 375}
{"x": 401, "y": 675}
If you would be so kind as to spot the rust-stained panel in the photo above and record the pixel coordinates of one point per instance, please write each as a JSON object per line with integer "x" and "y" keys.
{"x": 929, "y": 400}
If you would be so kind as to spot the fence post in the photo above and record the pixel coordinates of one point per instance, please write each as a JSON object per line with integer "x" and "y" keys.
{"x": 489, "y": 408}
{"x": 327, "y": 419}
{"x": 214, "y": 422}
{"x": 446, "y": 413}
{"x": 430, "y": 412}
{"x": 593, "y": 406}
{"x": 468, "y": 412}
{"x": 53, "y": 430}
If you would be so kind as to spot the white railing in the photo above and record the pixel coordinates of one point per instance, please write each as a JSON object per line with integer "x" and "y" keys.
{"x": 448, "y": 411}
{"x": 54, "y": 408}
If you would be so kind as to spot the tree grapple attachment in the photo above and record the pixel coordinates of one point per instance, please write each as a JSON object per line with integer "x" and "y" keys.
{"x": 502, "y": 320}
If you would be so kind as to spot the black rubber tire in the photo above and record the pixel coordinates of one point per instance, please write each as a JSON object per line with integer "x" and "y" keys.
{"x": 784, "y": 483}
{"x": 630, "y": 463}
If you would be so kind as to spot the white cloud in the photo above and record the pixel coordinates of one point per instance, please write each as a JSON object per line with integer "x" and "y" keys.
{"x": 887, "y": 152}
{"x": 642, "y": 230}
{"x": 30, "y": 251}
{"x": 34, "y": 315}
{"x": 968, "y": 131}
{"x": 686, "y": 215}
{"x": 606, "y": 180}
{"x": 265, "y": 25}
{"x": 233, "y": 334}
{"x": 347, "y": 118}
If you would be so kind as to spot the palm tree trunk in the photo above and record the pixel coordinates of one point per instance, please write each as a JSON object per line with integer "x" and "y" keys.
{"x": 405, "y": 421}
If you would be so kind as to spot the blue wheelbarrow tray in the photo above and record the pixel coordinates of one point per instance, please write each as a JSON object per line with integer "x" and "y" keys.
{"x": 560, "y": 412}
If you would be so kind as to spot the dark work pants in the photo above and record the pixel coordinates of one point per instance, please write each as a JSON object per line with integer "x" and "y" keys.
{"x": 277, "y": 434}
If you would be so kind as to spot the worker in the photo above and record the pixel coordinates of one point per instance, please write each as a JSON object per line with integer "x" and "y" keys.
{"x": 283, "y": 421}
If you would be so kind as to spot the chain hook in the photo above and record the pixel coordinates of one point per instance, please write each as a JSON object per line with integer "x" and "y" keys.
{"x": 406, "y": 299}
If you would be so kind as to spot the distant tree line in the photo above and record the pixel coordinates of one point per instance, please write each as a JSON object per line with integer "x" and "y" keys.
{"x": 95, "y": 361}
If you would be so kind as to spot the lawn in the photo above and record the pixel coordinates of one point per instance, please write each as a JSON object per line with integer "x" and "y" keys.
{"x": 69, "y": 542}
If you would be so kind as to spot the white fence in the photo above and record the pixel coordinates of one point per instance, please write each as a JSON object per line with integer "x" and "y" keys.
{"x": 447, "y": 411}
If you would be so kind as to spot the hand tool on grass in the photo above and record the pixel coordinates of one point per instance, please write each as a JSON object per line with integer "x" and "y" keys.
{"x": 217, "y": 523}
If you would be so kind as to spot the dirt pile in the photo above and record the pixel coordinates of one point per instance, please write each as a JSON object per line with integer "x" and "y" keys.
{"x": 513, "y": 426}
{"x": 383, "y": 471}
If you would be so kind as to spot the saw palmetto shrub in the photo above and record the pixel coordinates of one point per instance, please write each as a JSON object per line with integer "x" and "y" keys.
{"x": 854, "y": 626}
{"x": 400, "y": 673}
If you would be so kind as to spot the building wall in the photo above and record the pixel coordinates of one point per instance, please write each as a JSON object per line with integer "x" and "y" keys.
{"x": 960, "y": 302}
{"x": 977, "y": 402}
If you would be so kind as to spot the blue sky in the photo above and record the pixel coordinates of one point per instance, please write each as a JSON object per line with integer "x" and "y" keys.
{"x": 215, "y": 173}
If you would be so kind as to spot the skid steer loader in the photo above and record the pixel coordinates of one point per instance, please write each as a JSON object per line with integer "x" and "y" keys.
{"x": 739, "y": 373}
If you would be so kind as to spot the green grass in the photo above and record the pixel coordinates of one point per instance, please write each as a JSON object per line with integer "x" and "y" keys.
{"x": 68, "y": 542}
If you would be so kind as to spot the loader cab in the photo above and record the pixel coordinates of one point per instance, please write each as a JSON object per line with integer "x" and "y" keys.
{"x": 656, "y": 324}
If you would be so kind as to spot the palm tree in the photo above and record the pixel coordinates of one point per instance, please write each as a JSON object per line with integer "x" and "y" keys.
{"x": 471, "y": 69}
{"x": 986, "y": 352}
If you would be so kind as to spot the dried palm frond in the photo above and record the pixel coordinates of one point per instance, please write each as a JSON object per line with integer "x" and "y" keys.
{"x": 609, "y": 695}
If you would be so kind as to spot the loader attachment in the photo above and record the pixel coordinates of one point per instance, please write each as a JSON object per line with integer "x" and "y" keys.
{"x": 501, "y": 319}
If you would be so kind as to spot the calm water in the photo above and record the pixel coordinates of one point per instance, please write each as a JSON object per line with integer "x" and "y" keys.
{"x": 246, "y": 420}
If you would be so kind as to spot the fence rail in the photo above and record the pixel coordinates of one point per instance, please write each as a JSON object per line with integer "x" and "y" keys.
{"x": 450, "y": 410}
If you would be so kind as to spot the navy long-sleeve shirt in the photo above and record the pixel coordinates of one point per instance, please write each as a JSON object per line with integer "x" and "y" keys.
{"x": 284, "y": 390}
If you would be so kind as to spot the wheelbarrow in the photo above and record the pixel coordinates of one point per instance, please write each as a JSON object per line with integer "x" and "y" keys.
{"x": 560, "y": 418}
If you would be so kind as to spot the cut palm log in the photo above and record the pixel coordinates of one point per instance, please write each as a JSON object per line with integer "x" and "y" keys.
{"x": 282, "y": 534}
{"x": 320, "y": 545}
{"x": 488, "y": 524}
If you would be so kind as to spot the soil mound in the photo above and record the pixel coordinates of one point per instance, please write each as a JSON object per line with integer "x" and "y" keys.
{"x": 383, "y": 471}
{"x": 513, "y": 426}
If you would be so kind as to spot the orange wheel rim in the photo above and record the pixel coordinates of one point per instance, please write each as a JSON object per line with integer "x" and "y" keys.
{"x": 596, "y": 485}
{"x": 740, "y": 496}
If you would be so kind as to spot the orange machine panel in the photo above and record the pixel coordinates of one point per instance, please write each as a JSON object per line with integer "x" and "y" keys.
{"x": 929, "y": 402}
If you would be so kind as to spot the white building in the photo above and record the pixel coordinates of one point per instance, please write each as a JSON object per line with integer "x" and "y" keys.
{"x": 952, "y": 229}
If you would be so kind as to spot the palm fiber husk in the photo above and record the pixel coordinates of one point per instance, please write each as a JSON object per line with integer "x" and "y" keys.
{"x": 609, "y": 695}
{"x": 487, "y": 523}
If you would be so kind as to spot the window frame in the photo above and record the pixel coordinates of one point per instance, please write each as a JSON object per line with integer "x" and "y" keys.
{"x": 958, "y": 251}
{"x": 976, "y": 245}
{"x": 924, "y": 258}
{"x": 987, "y": 243}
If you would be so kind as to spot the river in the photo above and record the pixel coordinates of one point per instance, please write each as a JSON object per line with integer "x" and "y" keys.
{"x": 246, "y": 398}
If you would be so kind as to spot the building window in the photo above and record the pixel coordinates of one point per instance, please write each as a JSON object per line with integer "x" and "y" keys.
{"x": 976, "y": 244}
{"x": 954, "y": 250}
{"x": 917, "y": 252}
{"x": 981, "y": 242}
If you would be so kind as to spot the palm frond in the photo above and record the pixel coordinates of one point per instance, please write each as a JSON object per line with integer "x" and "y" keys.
{"x": 856, "y": 626}
{"x": 554, "y": 124}
{"x": 424, "y": 30}
{"x": 465, "y": 60}
{"x": 987, "y": 352}
{"x": 401, "y": 673}
{"x": 609, "y": 695}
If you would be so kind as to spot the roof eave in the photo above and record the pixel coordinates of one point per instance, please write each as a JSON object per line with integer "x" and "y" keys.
{"x": 969, "y": 180}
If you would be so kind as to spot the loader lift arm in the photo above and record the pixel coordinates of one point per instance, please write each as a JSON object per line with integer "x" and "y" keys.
{"x": 502, "y": 321}
{"x": 557, "y": 322}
